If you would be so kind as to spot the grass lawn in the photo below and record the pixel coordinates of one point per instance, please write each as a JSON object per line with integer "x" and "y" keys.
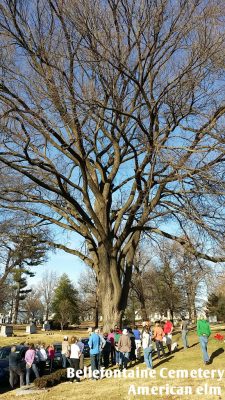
{"x": 43, "y": 337}
{"x": 119, "y": 388}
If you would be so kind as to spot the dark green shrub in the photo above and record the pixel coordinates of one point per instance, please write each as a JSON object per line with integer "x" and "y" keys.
{"x": 51, "y": 380}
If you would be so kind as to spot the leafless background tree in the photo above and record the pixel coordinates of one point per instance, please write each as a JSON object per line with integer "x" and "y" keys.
{"x": 89, "y": 299}
{"x": 170, "y": 279}
{"x": 46, "y": 289}
{"x": 112, "y": 119}
{"x": 33, "y": 306}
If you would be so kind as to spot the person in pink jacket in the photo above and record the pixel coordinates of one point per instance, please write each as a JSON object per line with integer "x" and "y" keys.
{"x": 31, "y": 359}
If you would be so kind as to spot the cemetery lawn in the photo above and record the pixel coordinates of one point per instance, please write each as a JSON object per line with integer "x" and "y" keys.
{"x": 20, "y": 336}
{"x": 118, "y": 389}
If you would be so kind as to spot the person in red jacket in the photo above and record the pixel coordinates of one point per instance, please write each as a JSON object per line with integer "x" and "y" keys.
{"x": 51, "y": 356}
{"x": 168, "y": 329}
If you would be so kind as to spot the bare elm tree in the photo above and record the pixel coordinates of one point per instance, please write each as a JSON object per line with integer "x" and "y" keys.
{"x": 112, "y": 116}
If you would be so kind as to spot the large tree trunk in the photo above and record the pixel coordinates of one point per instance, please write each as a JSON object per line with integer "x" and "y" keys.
{"x": 96, "y": 310}
{"x": 114, "y": 278}
{"x": 114, "y": 295}
{"x": 110, "y": 299}
{"x": 111, "y": 315}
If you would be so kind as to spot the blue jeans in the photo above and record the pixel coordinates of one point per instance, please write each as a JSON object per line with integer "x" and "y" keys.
{"x": 36, "y": 373}
{"x": 117, "y": 357}
{"x": 148, "y": 357}
{"x": 203, "y": 343}
{"x": 95, "y": 366}
{"x": 65, "y": 360}
{"x": 184, "y": 339}
{"x": 124, "y": 359}
{"x": 159, "y": 346}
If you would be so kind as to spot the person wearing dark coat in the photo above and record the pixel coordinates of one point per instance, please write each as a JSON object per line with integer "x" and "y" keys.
{"x": 133, "y": 345}
{"x": 15, "y": 367}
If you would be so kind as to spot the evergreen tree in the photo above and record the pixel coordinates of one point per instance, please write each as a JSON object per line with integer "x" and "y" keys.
{"x": 20, "y": 292}
{"x": 65, "y": 302}
{"x": 27, "y": 250}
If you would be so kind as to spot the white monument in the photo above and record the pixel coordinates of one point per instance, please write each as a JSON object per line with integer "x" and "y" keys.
{"x": 31, "y": 329}
{"x": 7, "y": 330}
{"x": 46, "y": 326}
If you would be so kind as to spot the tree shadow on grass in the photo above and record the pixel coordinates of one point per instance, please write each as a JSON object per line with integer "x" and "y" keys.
{"x": 178, "y": 348}
{"x": 163, "y": 361}
{"x": 193, "y": 345}
{"x": 216, "y": 353}
{"x": 182, "y": 348}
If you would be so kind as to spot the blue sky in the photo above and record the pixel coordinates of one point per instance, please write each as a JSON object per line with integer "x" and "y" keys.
{"x": 59, "y": 262}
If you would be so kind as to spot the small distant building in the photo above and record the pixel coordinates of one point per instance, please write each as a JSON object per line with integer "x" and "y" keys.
{"x": 5, "y": 318}
{"x": 212, "y": 319}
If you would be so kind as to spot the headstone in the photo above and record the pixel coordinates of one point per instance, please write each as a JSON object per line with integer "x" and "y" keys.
{"x": 31, "y": 328}
{"x": 212, "y": 319}
{"x": 7, "y": 330}
{"x": 46, "y": 326}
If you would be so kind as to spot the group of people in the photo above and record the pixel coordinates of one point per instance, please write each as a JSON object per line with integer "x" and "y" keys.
{"x": 118, "y": 347}
{"x": 35, "y": 360}
{"x": 125, "y": 346}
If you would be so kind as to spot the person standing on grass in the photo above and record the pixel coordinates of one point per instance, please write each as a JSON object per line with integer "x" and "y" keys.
{"x": 15, "y": 367}
{"x": 147, "y": 346}
{"x": 124, "y": 347}
{"x": 102, "y": 345}
{"x": 137, "y": 336}
{"x": 158, "y": 335}
{"x": 117, "y": 334}
{"x": 106, "y": 350}
{"x": 132, "y": 355}
{"x": 42, "y": 358}
{"x": 168, "y": 329}
{"x": 111, "y": 337}
{"x": 81, "y": 346}
{"x": 75, "y": 356}
{"x": 65, "y": 351}
{"x": 94, "y": 344}
{"x": 184, "y": 332}
{"x": 51, "y": 356}
{"x": 30, "y": 358}
{"x": 203, "y": 332}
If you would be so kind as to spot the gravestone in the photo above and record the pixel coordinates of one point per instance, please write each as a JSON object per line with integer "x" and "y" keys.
{"x": 46, "y": 326}
{"x": 7, "y": 330}
{"x": 31, "y": 328}
{"x": 212, "y": 319}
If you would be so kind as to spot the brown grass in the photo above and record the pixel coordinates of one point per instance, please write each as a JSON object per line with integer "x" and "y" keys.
{"x": 45, "y": 337}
